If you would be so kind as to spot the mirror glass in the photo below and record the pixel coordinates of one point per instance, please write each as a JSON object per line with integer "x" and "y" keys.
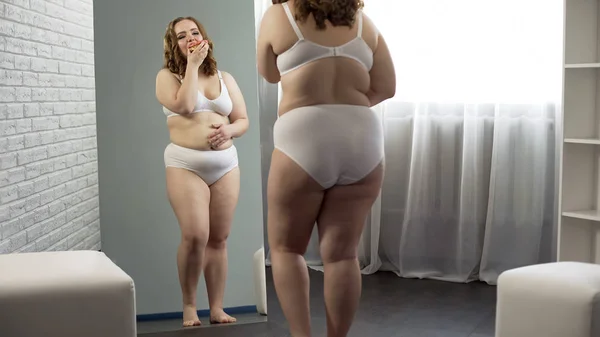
{"x": 179, "y": 158}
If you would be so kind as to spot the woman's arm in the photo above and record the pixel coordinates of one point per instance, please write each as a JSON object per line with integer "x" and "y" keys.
{"x": 266, "y": 58}
{"x": 181, "y": 98}
{"x": 238, "y": 116}
{"x": 383, "y": 74}
{"x": 175, "y": 96}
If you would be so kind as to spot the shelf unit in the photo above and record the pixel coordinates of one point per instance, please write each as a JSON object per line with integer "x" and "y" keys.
{"x": 579, "y": 220}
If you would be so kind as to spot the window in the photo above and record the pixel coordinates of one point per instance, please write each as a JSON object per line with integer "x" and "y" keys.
{"x": 473, "y": 51}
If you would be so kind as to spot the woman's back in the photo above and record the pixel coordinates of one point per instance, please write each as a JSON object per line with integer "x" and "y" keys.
{"x": 328, "y": 156}
{"x": 323, "y": 66}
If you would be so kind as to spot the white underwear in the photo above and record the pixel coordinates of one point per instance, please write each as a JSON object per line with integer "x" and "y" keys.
{"x": 335, "y": 144}
{"x": 208, "y": 165}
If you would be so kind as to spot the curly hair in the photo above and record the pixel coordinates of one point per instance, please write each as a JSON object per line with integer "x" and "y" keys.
{"x": 175, "y": 61}
{"x": 338, "y": 12}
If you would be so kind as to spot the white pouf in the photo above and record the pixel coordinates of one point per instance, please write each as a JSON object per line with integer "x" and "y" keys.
{"x": 549, "y": 300}
{"x": 260, "y": 281}
{"x": 65, "y": 294}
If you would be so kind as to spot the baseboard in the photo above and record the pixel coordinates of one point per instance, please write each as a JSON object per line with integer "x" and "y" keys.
{"x": 248, "y": 309}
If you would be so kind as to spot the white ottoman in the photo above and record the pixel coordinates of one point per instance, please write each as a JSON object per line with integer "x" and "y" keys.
{"x": 549, "y": 300}
{"x": 65, "y": 294}
{"x": 260, "y": 281}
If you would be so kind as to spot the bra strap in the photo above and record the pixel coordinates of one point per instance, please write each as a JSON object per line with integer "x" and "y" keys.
{"x": 360, "y": 23}
{"x": 292, "y": 20}
{"x": 179, "y": 78}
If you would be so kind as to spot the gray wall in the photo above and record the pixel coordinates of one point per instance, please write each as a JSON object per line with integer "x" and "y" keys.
{"x": 48, "y": 169}
{"x": 139, "y": 229}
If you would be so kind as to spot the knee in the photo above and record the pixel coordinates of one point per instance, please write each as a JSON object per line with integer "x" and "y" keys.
{"x": 332, "y": 252}
{"x": 217, "y": 241}
{"x": 194, "y": 241}
{"x": 288, "y": 248}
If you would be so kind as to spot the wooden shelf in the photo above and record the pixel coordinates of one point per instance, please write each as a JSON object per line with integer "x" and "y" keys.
{"x": 592, "y": 215}
{"x": 593, "y": 141}
{"x": 579, "y": 213}
{"x": 582, "y": 65}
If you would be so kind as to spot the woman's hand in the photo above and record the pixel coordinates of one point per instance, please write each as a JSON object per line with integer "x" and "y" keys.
{"x": 221, "y": 135}
{"x": 196, "y": 57}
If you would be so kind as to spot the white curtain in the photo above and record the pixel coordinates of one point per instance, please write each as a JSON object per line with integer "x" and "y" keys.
{"x": 470, "y": 185}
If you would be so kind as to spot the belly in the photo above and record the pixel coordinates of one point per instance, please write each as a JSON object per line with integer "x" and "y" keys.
{"x": 192, "y": 131}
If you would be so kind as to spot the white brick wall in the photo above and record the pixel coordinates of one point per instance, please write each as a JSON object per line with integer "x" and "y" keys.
{"x": 48, "y": 160}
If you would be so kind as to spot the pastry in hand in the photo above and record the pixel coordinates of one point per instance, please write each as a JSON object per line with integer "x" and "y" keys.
{"x": 194, "y": 44}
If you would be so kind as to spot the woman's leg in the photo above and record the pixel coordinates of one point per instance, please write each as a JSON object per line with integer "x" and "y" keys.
{"x": 340, "y": 224}
{"x": 294, "y": 200}
{"x": 189, "y": 196}
{"x": 223, "y": 199}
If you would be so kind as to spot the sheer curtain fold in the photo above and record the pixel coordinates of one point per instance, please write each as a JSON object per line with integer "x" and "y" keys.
{"x": 470, "y": 138}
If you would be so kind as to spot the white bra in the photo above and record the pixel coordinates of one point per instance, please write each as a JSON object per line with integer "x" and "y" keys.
{"x": 221, "y": 105}
{"x": 305, "y": 51}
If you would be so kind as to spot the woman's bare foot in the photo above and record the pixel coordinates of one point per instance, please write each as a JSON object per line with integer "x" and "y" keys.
{"x": 218, "y": 316}
{"x": 190, "y": 316}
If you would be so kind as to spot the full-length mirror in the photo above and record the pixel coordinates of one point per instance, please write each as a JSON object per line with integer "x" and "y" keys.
{"x": 179, "y": 167}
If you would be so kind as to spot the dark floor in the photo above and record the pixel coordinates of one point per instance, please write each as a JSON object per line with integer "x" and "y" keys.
{"x": 390, "y": 307}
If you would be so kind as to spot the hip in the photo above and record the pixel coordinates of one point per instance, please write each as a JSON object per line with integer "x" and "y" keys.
{"x": 330, "y": 123}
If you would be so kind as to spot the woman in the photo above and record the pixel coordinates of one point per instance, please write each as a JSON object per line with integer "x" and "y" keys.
{"x": 328, "y": 162}
{"x": 205, "y": 110}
